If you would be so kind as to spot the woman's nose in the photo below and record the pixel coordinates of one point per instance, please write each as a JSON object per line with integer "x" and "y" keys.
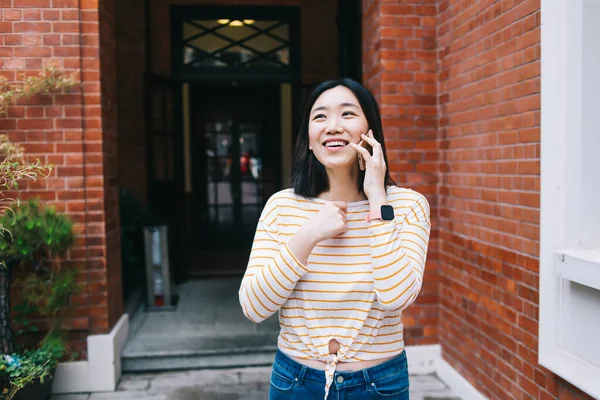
{"x": 334, "y": 127}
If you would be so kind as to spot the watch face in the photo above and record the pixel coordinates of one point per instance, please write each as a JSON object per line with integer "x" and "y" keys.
{"x": 387, "y": 213}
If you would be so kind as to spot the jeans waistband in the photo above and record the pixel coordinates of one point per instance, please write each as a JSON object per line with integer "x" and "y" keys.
{"x": 349, "y": 378}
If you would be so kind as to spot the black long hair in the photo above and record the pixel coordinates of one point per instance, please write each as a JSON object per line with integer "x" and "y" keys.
{"x": 309, "y": 177}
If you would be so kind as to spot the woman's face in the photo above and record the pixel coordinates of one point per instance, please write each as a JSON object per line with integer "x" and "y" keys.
{"x": 336, "y": 119}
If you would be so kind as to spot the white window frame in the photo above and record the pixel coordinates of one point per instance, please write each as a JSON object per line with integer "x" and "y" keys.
{"x": 569, "y": 243}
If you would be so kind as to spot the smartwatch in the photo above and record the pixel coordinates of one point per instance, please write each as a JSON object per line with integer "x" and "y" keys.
{"x": 384, "y": 213}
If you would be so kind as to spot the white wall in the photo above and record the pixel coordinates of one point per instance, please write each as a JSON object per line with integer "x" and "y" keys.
{"x": 570, "y": 192}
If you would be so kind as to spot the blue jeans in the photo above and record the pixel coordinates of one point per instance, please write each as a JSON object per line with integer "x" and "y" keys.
{"x": 291, "y": 380}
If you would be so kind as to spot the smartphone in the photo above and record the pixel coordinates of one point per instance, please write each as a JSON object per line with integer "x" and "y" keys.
{"x": 361, "y": 161}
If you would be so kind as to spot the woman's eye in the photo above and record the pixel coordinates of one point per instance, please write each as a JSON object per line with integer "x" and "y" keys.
{"x": 347, "y": 113}
{"x": 318, "y": 116}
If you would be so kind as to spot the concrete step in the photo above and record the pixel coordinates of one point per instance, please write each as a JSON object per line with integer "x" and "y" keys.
{"x": 199, "y": 352}
{"x": 207, "y": 329}
{"x": 199, "y": 360}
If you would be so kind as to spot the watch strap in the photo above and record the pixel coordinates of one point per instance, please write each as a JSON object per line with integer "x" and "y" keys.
{"x": 384, "y": 213}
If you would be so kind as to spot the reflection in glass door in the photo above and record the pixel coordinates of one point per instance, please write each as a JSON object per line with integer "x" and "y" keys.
{"x": 233, "y": 168}
{"x": 237, "y": 163}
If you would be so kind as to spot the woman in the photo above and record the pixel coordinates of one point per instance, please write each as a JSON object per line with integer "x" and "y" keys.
{"x": 340, "y": 256}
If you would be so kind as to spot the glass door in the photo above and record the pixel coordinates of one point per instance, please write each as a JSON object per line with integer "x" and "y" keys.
{"x": 235, "y": 177}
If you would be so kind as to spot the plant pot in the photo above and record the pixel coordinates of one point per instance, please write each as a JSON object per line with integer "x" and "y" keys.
{"x": 36, "y": 390}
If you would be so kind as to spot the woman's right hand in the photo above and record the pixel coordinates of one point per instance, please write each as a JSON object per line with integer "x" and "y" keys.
{"x": 329, "y": 222}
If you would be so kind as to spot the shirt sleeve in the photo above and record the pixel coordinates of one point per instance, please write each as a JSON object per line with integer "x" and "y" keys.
{"x": 272, "y": 271}
{"x": 399, "y": 252}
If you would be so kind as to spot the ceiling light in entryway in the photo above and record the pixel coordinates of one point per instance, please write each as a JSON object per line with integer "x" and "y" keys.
{"x": 236, "y": 22}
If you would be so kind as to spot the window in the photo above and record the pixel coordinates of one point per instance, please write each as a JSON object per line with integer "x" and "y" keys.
{"x": 238, "y": 43}
{"x": 570, "y": 193}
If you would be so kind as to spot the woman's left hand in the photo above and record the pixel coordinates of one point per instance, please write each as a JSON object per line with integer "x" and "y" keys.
{"x": 374, "y": 184}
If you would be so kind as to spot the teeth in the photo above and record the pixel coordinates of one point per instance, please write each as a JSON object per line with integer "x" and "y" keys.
{"x": 335, "y": 144}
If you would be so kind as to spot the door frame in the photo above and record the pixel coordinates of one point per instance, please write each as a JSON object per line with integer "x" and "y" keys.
{"x": 171, "y": 214}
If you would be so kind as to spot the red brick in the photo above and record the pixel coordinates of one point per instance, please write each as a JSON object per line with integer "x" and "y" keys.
{"x": 31, "y": 3}
{"x": 12, "y": 15}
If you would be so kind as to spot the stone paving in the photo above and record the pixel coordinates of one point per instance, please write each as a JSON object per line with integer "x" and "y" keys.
{"x": 227, "y": 384}
{"x": 209, "y": 320}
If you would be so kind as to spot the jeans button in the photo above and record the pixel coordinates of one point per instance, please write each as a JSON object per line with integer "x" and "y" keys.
{"x": 340, "y": 379}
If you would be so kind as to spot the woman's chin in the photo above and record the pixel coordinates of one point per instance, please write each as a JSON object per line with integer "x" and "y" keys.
{"x": 340, "y": 164}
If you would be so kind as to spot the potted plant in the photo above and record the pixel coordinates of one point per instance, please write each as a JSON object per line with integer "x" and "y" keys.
{"x": 20, "y": 369}
{"x": 26, "y": 376}
{"x": 37, "y": 235}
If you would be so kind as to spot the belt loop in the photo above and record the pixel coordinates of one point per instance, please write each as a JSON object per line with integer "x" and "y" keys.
{"x": 367, "y": 379}
{"x": 300, "y": 378}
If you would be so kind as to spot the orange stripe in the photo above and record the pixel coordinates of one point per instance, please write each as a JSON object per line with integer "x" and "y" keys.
{"x": 338, "y": 273}
{"x": 400, "y": 295}
{"x": 258, "y": 299}
{"x": 277, "y": 280}
{"x": 336, "y": 283}
{"x": 318, "y": 318}
{"x": 340, "y": 264}
{"x": 263, "y": 292}
{"x": 392, "y": 263}
{"x": 252, "y": 305}
{"x": 267, "y": 215}
{"x": 332, "y": 301}
{"x": 340, "y": 255}
{"x": 393, "y": 274}
{"x": 282, "y": 273}
{"x": 270, "y": 287}
{"x": 290, "y": 267}
{"x": 398, "y": 284}
{"x": 324, "y": 309}
{"x": 248, "y": 314}
{"x": 294, "y": 257}
{"x": 331, "y": 291}
{"x": 386, "y": 243}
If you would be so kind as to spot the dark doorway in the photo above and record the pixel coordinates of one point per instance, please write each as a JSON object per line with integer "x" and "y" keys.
{"x": 236, "y": 164}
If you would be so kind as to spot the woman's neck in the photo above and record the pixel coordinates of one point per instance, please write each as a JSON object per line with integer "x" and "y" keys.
{"x": 342, "y": 187}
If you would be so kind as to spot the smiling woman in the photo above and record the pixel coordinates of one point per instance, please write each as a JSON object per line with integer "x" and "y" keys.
{"x": 339, "y": 110}
{"x": 339, "y": 256}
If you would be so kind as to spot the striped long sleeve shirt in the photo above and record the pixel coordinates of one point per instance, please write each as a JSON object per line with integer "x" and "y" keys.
{"x": 354, "y": 286}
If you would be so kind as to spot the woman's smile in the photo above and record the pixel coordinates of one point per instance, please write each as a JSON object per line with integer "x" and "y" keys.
{"x": 335, "y": 144}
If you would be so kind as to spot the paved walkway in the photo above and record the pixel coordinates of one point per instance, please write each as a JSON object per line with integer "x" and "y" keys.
{"x": 207, "y": 330}
{"x": 205, "y": 341}
{"x": 227, "y": 384}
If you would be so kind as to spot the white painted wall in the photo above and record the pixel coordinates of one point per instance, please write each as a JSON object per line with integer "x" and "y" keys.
{"x": 102, "y": 370}
{"x": 570, "y": 192}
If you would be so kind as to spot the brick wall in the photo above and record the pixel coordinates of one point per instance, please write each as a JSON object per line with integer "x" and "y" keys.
{"x": 66, "y": 130}
{"x": 489, "y": 117}
{"x": 399, "y": 67}
{"x": 113, "y": 309}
